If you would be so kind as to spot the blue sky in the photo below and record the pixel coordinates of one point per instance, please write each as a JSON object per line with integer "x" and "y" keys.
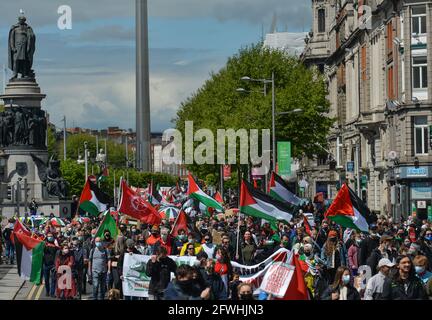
{"x": 88, "y": 72}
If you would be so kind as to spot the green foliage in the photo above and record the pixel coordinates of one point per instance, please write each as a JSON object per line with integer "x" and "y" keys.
{"x": 217, "y": 104}
{"x": 74, "y": 173}
{"x": 210, "y": 179}
{"x": 116, "y": 153}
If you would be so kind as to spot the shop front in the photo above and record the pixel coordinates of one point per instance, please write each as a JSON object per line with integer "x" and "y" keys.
{"x": 418, "y": 189}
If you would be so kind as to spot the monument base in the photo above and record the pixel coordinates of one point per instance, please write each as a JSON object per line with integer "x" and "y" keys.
{"x": 60, "y": 208}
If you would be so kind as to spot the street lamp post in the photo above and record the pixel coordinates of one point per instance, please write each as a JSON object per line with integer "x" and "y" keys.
{"x": 272, "y": 81}
{"x": 86, "y": 159}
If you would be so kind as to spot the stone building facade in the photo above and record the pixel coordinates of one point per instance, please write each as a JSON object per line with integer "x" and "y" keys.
{"x": 375, "y": 57}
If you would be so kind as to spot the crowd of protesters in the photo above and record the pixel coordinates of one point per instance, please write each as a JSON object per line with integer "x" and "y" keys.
{"x": 398, "y": 256}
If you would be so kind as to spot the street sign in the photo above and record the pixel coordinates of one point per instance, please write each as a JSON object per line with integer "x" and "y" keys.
{"x": 284, "y": 158}
{"x": 350, "y": 166}
{"x": 421, "y": 204}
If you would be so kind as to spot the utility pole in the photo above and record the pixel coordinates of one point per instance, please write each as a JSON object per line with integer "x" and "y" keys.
{"x": 25, "y": 195}
{"x": 97, "y": 144}
{"x": 358, "y": 168}
{"x": 64, "y": 138}
{"x": 18, "y": 197}
{"x": 222, "y": 180}
{"x": 127, "y": 153}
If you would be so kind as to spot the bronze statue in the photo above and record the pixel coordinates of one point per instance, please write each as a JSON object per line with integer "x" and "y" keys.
{"x": 22, "y": 41}
{"x": 50, "y": 175}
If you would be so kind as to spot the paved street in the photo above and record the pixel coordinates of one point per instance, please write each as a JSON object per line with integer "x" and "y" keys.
{"x": 12, "y": 287}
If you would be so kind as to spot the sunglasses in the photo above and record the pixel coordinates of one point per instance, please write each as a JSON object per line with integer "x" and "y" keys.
{"x": 190, "y": 248}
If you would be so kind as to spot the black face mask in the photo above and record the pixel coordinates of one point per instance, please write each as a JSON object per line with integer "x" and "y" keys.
{"x": 247, "y": 296}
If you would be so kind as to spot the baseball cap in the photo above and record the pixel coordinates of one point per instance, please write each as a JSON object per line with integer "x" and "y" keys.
{"x": 385, "y": 262}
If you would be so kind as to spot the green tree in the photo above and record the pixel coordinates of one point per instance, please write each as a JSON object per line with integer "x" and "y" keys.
{"x": 74, "y": 174}
{"x": 116, "y": 153}
{"x": 217, "y": 105}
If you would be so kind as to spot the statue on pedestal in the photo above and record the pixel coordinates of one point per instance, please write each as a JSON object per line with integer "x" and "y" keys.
{"x": 22, "y": 41}
{"x": 51, "y": 176}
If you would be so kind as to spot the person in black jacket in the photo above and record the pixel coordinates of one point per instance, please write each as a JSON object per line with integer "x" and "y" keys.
{"x": 159, "y": 268}
{"x": 404, "y": 285}
{"x": 342, "y": 288}
{"x": 369, "y": 244}
{"x": 214, "y": 281}
{"x": 383, "y": 251}
{"x": 50, "y": 253}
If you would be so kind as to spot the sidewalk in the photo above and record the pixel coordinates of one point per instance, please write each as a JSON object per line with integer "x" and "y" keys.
{"x": 10, "y": 282}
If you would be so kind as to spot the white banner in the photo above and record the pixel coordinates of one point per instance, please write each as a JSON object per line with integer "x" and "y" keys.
{"x": 277, "y": 279}
{"x": 254, "y": 274}
{"x": 136, "y": 282}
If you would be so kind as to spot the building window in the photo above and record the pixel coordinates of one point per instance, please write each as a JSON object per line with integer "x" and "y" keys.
{"x": 420, "y": 135}
{"x": 418, "y": 20}
{"x": 321, "y": 20}
{"x": 419, "y": 72}
{"x": 390, "y": 84}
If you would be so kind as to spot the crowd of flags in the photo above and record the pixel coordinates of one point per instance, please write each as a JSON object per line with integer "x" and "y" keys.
{"x": 152, "y": 204}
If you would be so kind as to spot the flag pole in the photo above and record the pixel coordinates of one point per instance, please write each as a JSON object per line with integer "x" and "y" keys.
{"x": 120, "y": 191}
{"x": 238, "y": 235}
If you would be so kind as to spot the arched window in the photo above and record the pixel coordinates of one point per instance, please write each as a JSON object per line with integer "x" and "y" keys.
{"x": 321, "y": 20}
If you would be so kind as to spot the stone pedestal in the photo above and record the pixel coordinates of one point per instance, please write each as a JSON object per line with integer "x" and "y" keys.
{"x": 22, "y": 139}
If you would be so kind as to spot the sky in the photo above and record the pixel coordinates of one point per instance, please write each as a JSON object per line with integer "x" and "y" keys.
{"x": 88, "y": 72}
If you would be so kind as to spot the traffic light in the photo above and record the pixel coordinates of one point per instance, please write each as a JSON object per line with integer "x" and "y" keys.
{"x": 364, "y": 195}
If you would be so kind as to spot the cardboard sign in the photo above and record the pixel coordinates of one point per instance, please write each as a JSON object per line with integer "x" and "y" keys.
{"x": 277, "y": 279}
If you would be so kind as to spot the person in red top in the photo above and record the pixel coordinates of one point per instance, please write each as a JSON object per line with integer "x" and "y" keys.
{"x": 66, "y": 289}
{"x": 154, "y": 239}
{"x": 223, "y": 266}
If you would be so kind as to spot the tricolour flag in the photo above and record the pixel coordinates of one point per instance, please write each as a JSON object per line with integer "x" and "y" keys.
{"x": 195, "y": 192}
{"x": 92, "y": 199}
{"x": 278, "y": 189}
{"x": 29, "y": 252}
{"x": 19, "y": 228}
{"x": 349, "y": 211}
{"x": 218, "y": 197}
{"x": 255, "y": 203}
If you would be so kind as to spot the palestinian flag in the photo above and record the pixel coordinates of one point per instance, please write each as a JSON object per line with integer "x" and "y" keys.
{"x": 257, "y": 204}
{"x": 19, "y": 228}
{"x": 218, "y": 197}
{"x": 278, "y": 189}
{"x": 184, "y": 222}
{"x": 349, "y": 211}
{"x": 29, "y": 252}
{"x": 195, "y": 192}
{"x": 104, "y": 174}
{"x": 93, "y": 200}
{"x": 108, "y": 223}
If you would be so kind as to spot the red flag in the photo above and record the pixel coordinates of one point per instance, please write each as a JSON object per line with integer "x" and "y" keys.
{"x": 19, "y": 228}
{"x": 180, "y": 223}
{"x": 319, "y": 197}
{"x": 255, "y": 184}
{"x": 297, "y": 289}
{"x": 307, "y": 226}
{"x": 132, "y": 204}
{"x": 218, "y": 197}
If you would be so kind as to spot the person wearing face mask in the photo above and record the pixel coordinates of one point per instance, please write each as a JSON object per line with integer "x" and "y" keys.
{"x": 223, "y": 265}
{"x": 245, "y": 291}
{"x": 166, "y": 240}
{"x": 65, "y": 258}
{"x": 381, "y": 252}
{"x": 421, "y": 268}
{"x": 353, "y": 253}
{"x": 341, "y": 288}
{"x": 208, "y": 247}
{"x": 79, "y": 268}
{"x": 9, "y": 246}
{"x": 375, "y": 284}
{"x": 213, "y": 280}
{"x": 48, "y": 261}
{"x": 153, "y": 238}
{"x": 183, "y": 286}
{"x": 426, "y": 246}
{"x": 98, "y": 269}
